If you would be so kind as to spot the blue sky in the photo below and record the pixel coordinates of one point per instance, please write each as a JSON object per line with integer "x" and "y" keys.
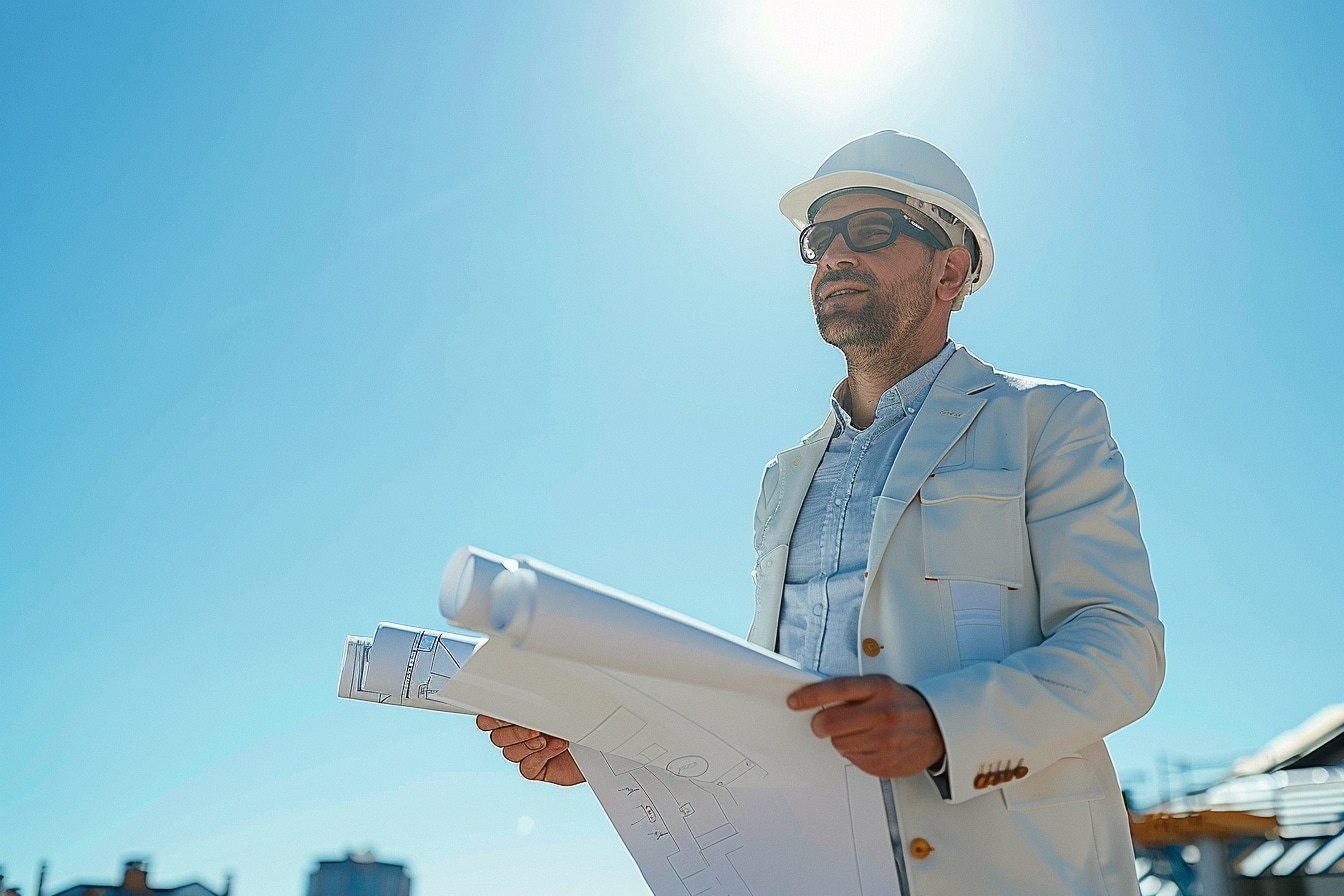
{"x": 295, "y": 299}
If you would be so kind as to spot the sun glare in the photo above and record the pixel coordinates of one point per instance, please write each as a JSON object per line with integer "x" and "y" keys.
{"x": 840, "y": 52}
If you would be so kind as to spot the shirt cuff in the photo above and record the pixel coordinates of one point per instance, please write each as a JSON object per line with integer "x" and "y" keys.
{"x": 939, "y": 778}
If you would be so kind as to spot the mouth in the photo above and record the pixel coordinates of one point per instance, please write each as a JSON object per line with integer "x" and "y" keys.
{"x": 842, "y": 287}
{"x": 838, "y": 294}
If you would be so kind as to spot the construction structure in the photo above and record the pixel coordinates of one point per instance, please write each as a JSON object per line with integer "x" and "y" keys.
{"x": 1273, "y": 825}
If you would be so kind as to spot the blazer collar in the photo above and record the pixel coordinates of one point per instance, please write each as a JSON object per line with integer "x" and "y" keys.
{"x": 946, "y": 413}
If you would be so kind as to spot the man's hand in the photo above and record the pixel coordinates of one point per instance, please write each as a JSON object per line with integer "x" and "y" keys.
{"x": 540, "y": 757}
{"x": 880, "y": 725}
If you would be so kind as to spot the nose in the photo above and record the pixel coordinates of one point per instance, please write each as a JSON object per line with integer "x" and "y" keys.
{"x": 837, "y": 255}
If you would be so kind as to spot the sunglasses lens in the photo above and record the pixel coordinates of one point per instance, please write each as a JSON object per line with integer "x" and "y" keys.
{"x": 870, "y": 230}
{"x": 814, "y": 240}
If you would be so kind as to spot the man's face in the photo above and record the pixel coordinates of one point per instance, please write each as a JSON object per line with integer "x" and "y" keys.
{"x": 871, "y": 302}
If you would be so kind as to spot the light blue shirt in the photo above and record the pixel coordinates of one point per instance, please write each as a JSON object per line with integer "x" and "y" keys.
{"x": 828, "y": 554}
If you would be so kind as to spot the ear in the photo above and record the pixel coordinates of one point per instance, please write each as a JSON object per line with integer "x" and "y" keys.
{"x": 952, "y": 276}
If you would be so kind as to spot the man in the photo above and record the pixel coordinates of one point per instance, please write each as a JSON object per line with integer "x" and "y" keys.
{"x": 956, "y": 547}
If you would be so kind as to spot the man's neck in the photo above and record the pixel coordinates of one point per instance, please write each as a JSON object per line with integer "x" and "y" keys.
{"x": 869, "y": 377}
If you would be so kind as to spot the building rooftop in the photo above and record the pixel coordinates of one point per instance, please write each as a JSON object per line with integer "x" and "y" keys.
{"x": 135, "y": 882}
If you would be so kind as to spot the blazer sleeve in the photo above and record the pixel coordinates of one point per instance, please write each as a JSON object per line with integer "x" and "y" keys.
{"x": 1101, "y": 662}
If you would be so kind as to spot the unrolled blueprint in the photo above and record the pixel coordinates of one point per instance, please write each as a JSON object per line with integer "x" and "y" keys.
{"x": 713, "y": 785}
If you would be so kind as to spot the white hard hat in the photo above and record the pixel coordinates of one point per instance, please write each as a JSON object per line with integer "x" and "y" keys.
{"x": 915, "y": 168}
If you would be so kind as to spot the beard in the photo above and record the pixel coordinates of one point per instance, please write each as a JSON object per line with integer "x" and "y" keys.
{"x": 886, "y": 322}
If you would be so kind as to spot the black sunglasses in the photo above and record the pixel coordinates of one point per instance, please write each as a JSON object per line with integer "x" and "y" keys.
{"x": 865, "y": 231}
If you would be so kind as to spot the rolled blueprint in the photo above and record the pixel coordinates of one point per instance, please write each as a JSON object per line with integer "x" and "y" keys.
{"x": 555, "y": 612}
{"x": 404, "y": 666}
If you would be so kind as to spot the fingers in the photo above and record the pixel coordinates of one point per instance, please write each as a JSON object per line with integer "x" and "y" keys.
{"x": 533, "y": 766}
{"x": 513, "y": 734}
{"x": 517, "y": 742}
{"x": 517, "y": 752}
{"x": 883, "y": 727}
{"x": 506, "y": 734}
{"x": 539, "y": 757}
{"x": 890, "y": 708}
{"x": 850, "y": 718}
{"x": 849, "y": 689}
{"x": 863, "y": 743}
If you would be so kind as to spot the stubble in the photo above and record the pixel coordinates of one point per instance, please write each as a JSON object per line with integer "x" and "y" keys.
{"x": 888, "y": 321}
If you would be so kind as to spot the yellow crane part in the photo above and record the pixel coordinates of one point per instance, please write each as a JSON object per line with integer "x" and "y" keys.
{"x": 1167, "y": 828}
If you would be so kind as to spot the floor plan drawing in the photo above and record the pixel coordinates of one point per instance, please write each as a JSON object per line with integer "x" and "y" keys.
{"x": 700, "y": 835}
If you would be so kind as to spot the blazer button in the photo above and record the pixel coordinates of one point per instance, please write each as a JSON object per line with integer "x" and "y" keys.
{"x": 871, "y": 647}
{"x": 920, "y": 848}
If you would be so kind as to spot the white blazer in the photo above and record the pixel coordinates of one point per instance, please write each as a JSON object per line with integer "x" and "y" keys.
{"x": 1008, "y": 584}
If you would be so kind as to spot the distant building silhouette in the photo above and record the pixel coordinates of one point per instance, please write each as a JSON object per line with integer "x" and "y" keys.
{"x": 135, "y": 882}
{"x": 5, "y": 890}
{"x": 359, "y": 874}
{"x": 11, "y": 890}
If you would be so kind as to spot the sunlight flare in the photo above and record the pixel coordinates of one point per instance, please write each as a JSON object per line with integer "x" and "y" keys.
{"x": 842, "y": 52}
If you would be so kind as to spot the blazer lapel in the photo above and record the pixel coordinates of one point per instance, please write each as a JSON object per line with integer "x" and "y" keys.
{"x": 952, "y": 403}
{"x": 797, "y": 466}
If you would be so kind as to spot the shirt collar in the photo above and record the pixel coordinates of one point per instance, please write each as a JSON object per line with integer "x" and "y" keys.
{"x": 902, "y": 399}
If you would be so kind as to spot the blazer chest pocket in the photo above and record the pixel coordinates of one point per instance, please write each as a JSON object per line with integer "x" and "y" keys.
{"x": 974, "y": 526}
